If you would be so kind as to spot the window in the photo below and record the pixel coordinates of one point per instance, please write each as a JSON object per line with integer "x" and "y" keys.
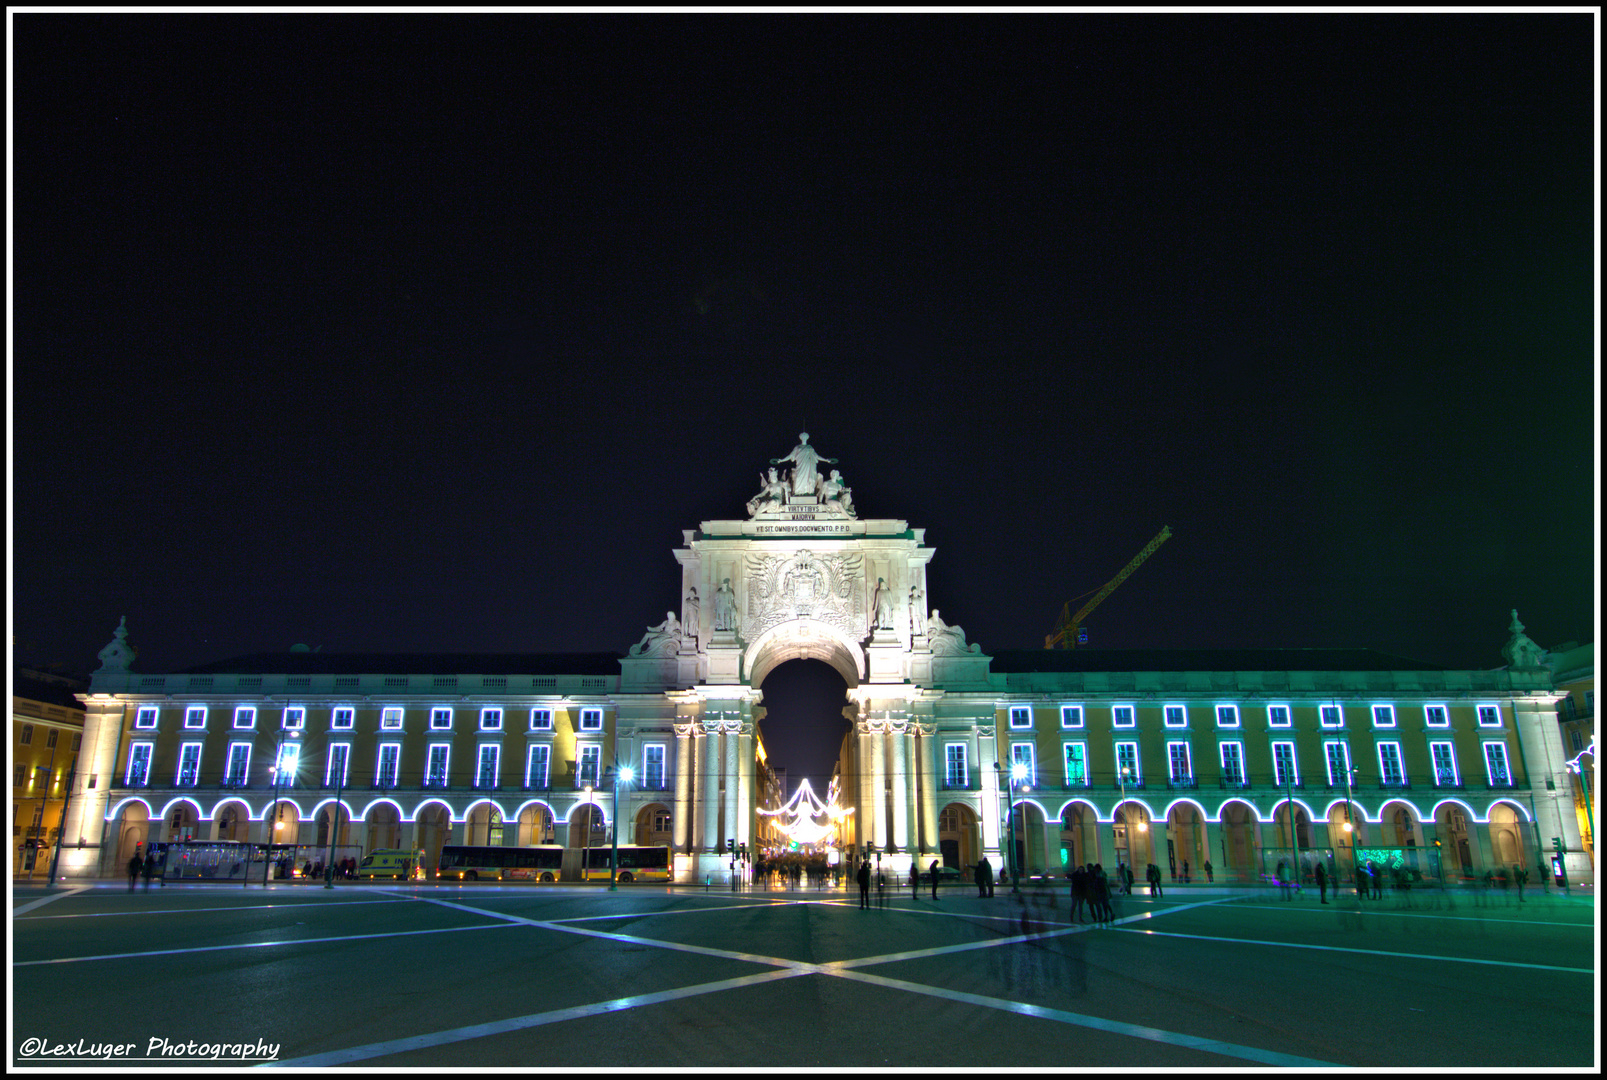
{"x": 490, "y": 719}
{"x": 435, "y": 764}
{"x": 1284, "y": 772}
{"x": 1022, "y": 754}
{"x": 41, "y": 776}
{"x": 343, "y": 719}
{"x": 1122, "y": 716}
{"x": 195, "y": 717}
{"x": 1338, "y": 755}
{"x": 1071, "y": 716}
{"x": 1177, "y": 756}
{"x": 27, "y": 735}
{"x": 19, "y": 777}
{"x": 486, "y": 775}
{"x": 955, "y": 775}
{"x": 1127, "y": 763}
{"x": 189, "y": 765}
{"x": 295, "y": 718}
{"x": 1278, "y": 716}
{"x": 389, "y": 755}
{"x": 653, "y": 766}
{"x": 591, "y": 719}
{"x": 1176, "y": 716}
{"x": 1390, "y": 769}
{"x": 440, "y": 719}
{"x": 337, "y": 769}
{"x": 1227, "y": 716}
{"x": 77, "y": 741}
{"x": 1489, "y": 716}
{"x": 540, "y": 719}
{"x": 1232, "y": 763}
{"x": 1076, "y": 764}
{"x": 1332, "y": 716}
{"x": 51, "y": 738}
{"x": 587, "y": 765}
{"x": 145, "y": 719}
{"x": 239, "y": 764}
{"x": 289, "y": 761}
{"x": 1436, "y": 716}
{"x": 139, "y": 764}
{"x": 1577, "y": 740}
{"x": 390, "y": 719}
{"x": 1444, "y": 755}
{"x": 245, "y": 718}
{"x": 536, "y": 765}
{"x": 1495, "y": 762}
{"x": 1383, "y": 716}
{"x": 1020, "y": 717}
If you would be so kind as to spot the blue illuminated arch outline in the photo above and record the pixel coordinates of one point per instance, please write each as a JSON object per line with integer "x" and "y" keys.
{"x": 117, "y": 809}
{"x": 438, "y": 802}
{"x": 543, "y": 803}
{"x": 286, "y": 800}
{"x": 1524, "y": 814}
{"x": 382, "y": 800}
{"x": 1019, "y": 803}
{"x": 1069, "y": 803}
{"x": 182, "y": 799}
{"x": 1136, "y": 801}
{"x": 1398, "y": 801}
{"x": 601, "y": 809}
{"x": 1185, "y": 801}
{"x": 1272, "y": 815}
{"x": 1434, "y": 814}
{"x": 1246, "y": 803}
{"x": 225, "y": 801}
{"x": 325, "y": 802}
{"x": 486, "y": 801}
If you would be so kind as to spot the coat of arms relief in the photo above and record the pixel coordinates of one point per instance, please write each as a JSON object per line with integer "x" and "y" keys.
{"x": 804, "y": 585}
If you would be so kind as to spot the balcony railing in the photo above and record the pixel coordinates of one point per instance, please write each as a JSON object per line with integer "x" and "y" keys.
{"x": 1182, "y": 783}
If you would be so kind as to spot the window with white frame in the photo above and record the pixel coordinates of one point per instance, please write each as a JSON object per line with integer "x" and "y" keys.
{"x": 1076, "y": 764}
{"x": 145, "y": 718}
{"x": 1495, "y": 764}
{"x": 591, "y": 719}
{"x": 1444, "y": 758}
{"x": 1436, "y": 716}
{"x": 536, "y": 763}
{"x": 1331, "y": 716}
{"x": 490, "y": 719}
{"x": 1071, "y": 716}
{"x": 1127, "y": 763}
{"x": 1338, "y": 757}
{"x": 486, "y": 775}
{"x": 1391, "y": 771}
{"x": 1232, "y": 763}
{"x": 588, "y": 765}
{"x": 1020, "y": 717}
{"x": 139, "y": 764}
{"x": 1176, "y": 716}
{"x": 1383, "y": 716}
{"x": 441, "y": 719}
{"x": 343, "y": 719}
{"x": 245, "y": 718}
{"x": 1123, "y": 716}
{"x": 337, "y": 767}
{"x": 1284, "y": 771}
{"x": 1227, "y": 716}
{"x": 955, "y": 774}
{"x": 1022, "y": 754}
{"x": 1489, "y": 716}
{"x": 189, "y": 765}
{"x": 1177, "y": 756}
{"x": 436, "y": 760}
{"x": 295, "y": 718}
{"x": 540, "y": 719}
{"x": 195, "y": 717}
{"x": 238, "y": 768}
{"x": 390, "y": 757}
{"x": 653, "y": 766}
{"x": 1278, "y": 716}
{"x": 390, "y": 719}
{"x": 289, "y": 760}
{"x": 1576, "y": 739}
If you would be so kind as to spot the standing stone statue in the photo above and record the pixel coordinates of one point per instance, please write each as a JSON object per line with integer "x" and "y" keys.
{"x": 917, "y": 601}
{"x": 805, "y": 468}
{"x": 725, "y": 606}
{"x": 663, "y": 638}
{"x": 694, "y": 615}
{"x": 884, "y": 605}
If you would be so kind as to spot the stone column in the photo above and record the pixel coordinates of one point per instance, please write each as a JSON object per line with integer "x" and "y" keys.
{"x": 681, "y": 831}
{"x": 865, "y": 807}
{"x": 711, "y": 789}
{"x": 745, "y": 766}
{"x": 878, "y": 780}
{"x": 931, "y": 772}
{"x": 993, "y": 806}
{"x": 901, "y": 789}
{"x": 732, "y": 769}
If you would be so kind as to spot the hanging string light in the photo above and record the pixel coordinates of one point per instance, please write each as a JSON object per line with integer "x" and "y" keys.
{"x": 797, "y": 821}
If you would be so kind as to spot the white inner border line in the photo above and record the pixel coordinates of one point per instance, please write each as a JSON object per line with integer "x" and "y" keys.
{"x": 1365, "y": 952}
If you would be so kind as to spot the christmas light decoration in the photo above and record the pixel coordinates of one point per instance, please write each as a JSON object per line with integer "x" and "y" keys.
{"x": 797, "y": 821}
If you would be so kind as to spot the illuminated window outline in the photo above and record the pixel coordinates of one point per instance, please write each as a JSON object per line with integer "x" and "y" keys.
{"x": 1278, "y": 763}
{"x": 1500, "y": 748}
{"x": 588, "y": 765}
{"x": 142, "y": 761}
{"x": 1020, "y": 717}
{"x": 434, "y": 777}
{"x": 1432, "y": 709}
{"x": 495, "y": 750}
{"x": 963, "y": 780}
{"x": 390, "y": 718}
{"x": 544, "y": 752}
{"x": 1328, "y": 746}
{"x": 294, "y": 719}
{"x": 242, "y": 775}
{"x": 1336, "y": 712}
{"x": 1175, "y": 709}
{"x": 1383, "y": 715}
{"x": 1129, "y": 749}
{"x": 396, "y": 764}
{"x": 540, "y": 719}
{"x": 591, "y": 720}
{"x": 1485, "y": 708}
{"x": 1071, "y": 717}
{"x": 652, "y": 763}
{"x": 343, "y": 718}
{"x": 438, "y": 714}
{"x": 188, "y": 763}
{"x": 1081, "y": 749}
{"x": 195, "y": 718}
{"x": 1232, "y": 772}
{"x": 1434, "y": 748}
{"x": 1231, "y": 711}
{"x": 345, "y": 765}
{"x": 1276, "y": 709}
{"x": 290, "y": 753}
{"x": 145, "y": 718}
{"x": 248, "y": 713}
{"x": 1172, "y": 748}
{"x": 1117, "y": 712}
{"x": 1391, "y": 764}
{"x": 491, "y": 718}
{"x": 1024, "y": 752}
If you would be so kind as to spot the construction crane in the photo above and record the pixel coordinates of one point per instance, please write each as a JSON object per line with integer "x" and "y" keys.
{"x": 1068, "y": 627}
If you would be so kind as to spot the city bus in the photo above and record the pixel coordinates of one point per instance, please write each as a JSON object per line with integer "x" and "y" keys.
{"x": 460, "y": 862}
{"x": 635, "y": 863}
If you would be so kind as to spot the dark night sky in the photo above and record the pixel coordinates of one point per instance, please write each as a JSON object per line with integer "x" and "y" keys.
{"x": 431, "y": 333}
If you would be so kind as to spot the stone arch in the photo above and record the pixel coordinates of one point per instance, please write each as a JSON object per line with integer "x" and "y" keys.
{"x": 284, "y": 822}
{"x": 433, "y": 820}
{"x": 483, "y": 823}
{"x": 653, "y": 825}
{"x": 181, "y": 820}
{"x": 1453, "y": 826}
{"x": 957, "y": 835}
{"x": 1506, "y": 836}
{"x": 536, "y": 822}
{"x": 1030, "y": 820}
{"x": 1240, "y": 827}
{"x": 1185, "y": 839}
{"x": 804, "y": 639}
{"x": 588, "y": 826}
{"x": 133, "y": 829}
{"x": 1132, "y": 836}
{"x": 1079, "y": 832}
{"x": 232, "y": 818}
{"x": 384, "y": 820}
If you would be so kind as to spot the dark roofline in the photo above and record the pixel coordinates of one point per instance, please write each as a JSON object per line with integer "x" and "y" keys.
{"x": 318, "y": 663}
{"x": 1055, "y": 660}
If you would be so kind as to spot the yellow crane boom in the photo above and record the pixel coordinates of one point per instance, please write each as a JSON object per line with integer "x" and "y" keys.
{"x": 1067, "y": 626}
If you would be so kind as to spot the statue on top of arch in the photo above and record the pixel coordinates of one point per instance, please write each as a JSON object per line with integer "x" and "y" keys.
{"x": 803, "y": 484}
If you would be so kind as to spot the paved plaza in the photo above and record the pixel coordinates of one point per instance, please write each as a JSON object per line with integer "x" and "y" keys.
{"x": 656, "y": 977}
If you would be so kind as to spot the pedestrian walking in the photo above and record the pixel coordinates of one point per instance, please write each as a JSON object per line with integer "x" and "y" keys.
{"x": 1127, "y": 879}
{"x": 1361, "y": 882}
{"x": 1521, "y": 876}
{"x": 1209, "y": 876}
{"x": 864, "y": 885}
{"x": 1102, "y": 909}
{"x": 1376, "y": 874}
{"x": 1153, "y": 876}
{"x": 980, "y": 872}
{"x": 915, "y": 879}
{"x": 149, "y": 868}
{"x": 1185, "y": 871}
{"x": 1322, "y": 882}
{"x": 934, "y": 879}
{"x": 987, "y": 873}
{"x": 135, "y": 865}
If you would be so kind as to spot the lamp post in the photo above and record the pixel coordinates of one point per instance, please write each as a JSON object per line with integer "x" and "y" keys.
{"x": 1121, "y": 783}
{"x": 1350, "y": 817}
{"x": 44, "y": 801}
{"x": 585, "y": 836}
{"x": 61, "y": 830}
{"x": 1576, "y": 766}
{"x": 623, "y": 774}
{"x": 1018, "y": 772}
{"x": 334, "y": 823}
{"x": 273, "y": 816}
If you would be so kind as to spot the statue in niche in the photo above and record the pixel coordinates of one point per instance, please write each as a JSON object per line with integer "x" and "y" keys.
{"x": 118, "y": 653}
{"x": 661, "y": 639}
{"x": 1520, "y": 650}
{"x": 694, "y": 614}
{"x": 917, "y": 601}
{"x": 725, "y": 606}
{"x": 772, "y": 494}
{"x": 946, "y": 638}
{"x": 805, "y": 467}
{"x": 836, "y": 495}
{"x": 884, "y": 605}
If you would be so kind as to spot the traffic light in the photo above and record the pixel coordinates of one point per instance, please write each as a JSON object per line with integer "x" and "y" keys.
{"x": 730, "y": 843}
{"x": 1556, "y": 843}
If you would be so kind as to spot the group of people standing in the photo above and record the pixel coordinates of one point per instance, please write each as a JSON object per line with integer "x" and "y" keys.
{"x": 1090, "y": 886}
{"x": 148, "y": 867}
{"x": 865, "y": 874}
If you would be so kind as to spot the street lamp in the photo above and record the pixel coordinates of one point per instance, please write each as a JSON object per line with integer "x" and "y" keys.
{"x": 1350, "y": 816}
{"x": 334, "y": 822}
{"x": 585, "y": 836}
{"x": 1575, "y": 766}
{"x": 1018, "y": 773}
{"x": 623, "y": 774}
{"x": 273, "y": 816}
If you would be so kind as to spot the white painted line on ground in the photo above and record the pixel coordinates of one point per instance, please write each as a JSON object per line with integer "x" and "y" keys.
{"x": 255, "y": 945}
{"x": 42, "y": 901}
{"x": 1366, "y": 952}
{"x": 1353, "y": 910}
{"x": 188, "y": 911}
